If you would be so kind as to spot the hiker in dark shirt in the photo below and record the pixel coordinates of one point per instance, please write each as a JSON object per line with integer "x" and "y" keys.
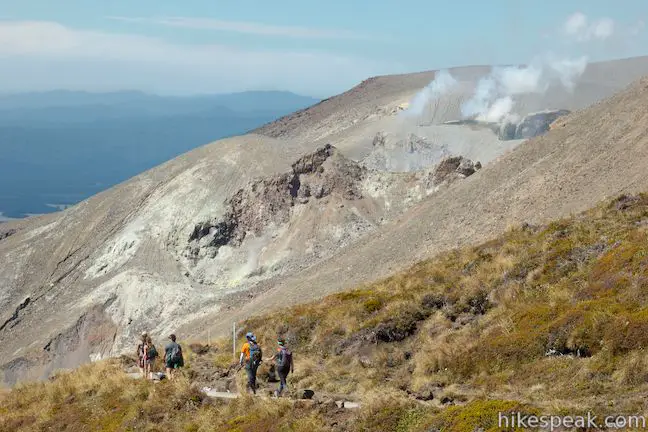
{"x": 173, "y": 356}
{"x": 284, "y": 361}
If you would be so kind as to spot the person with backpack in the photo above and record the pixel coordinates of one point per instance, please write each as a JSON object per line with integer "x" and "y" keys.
{"x": 284, "y": 361}
{"x": 150, "y": 356}
{"x": 251, "y": 356}
{"x": 173, "y": 357}
{"x": 141, "y": 354}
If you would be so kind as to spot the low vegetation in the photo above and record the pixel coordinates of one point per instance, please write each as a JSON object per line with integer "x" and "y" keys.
{"x": 550, "y": 319}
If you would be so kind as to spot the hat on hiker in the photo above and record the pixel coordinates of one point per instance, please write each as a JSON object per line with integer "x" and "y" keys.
{"x": 281, "y": 341}
{"x": 249, "y": 336}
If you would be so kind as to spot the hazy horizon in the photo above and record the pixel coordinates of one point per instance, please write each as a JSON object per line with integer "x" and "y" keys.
{"x": 173, "y": 49}
{"x": 147, "y": 93}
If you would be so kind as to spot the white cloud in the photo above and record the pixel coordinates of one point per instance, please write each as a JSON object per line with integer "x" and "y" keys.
{"x": 46, "y": 55}
{"x": 603, "y": 28}
{"x": 245, "y": 27}
{"x": 575, "y": 24}
{"x": 579, "y": 27}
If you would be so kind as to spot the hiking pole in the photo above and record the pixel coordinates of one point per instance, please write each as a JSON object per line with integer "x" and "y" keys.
{"x": 234, "y": 340}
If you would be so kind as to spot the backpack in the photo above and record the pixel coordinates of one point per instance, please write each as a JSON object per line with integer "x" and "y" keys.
{"x": 152, "y": 352}
{"x": 286, "y": 359}
{"x": 176, "y": 353}
{"x": 255, "y": 354}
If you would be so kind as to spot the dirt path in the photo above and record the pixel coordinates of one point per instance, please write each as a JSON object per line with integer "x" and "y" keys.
{"x": 228, "y": 395}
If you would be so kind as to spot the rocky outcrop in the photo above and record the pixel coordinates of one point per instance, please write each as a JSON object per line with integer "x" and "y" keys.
{"x": 6, "y": 233}
{"x": 452, "y": 169}
{"x": 531, "y": 125}
{"x": 413, "y": 153}
{"x": 15, "y": 316}
{"x": 270, "y": 201}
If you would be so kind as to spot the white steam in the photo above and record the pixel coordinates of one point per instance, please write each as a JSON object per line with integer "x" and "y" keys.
{"x": 500, "y": 110}
{"x": 255, "y": 247}
{"x": 442, "y": 84}
{"x": 494, "y": 96}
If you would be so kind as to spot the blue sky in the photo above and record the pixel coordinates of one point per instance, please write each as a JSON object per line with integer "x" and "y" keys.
{"x": 317, "y": 48}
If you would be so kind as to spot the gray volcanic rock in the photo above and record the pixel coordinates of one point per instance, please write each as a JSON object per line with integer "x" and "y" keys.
{"x": 270, "y": 201}
{"x": 452, "y": 169}
{"x": 531, "y": 125}
{"x": 538, "y": 123}
{"x": 413, "y": 153}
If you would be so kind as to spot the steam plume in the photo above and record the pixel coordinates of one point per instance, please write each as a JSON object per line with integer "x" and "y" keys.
{"x": 443, "y": 83}
{"x": 494, "y": 97}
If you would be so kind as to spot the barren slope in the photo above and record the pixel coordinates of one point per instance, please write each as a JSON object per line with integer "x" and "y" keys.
{"x": 590, "y": 156}
{"x": 384, "y": 94}
{"x": 181, "y": 243}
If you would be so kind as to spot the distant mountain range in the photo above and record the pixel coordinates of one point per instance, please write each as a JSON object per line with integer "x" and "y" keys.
{"x": 60, "y": 147}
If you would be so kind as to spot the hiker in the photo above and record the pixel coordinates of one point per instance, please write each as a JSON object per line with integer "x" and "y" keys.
{"x": 173, "y": 358}
{"x": 151, "y": 355}
{"x": 252, "y": 355}
{"x": 283, "y": 359}
{"x": 141, "y": 354}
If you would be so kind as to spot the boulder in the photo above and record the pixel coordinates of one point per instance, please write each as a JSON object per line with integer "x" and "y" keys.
{"x": 379, "y": 140}
{"x": 307, "y": 394}
{"x": 198, "y": 348}
{"x": 466, "y": 167}
{"x": 271, "y": 376}
{"x": 538, "y": 123}
{"x": 531, "y": 125}
{"x": 507, "y": 131}
{"x": 453, "y": 168}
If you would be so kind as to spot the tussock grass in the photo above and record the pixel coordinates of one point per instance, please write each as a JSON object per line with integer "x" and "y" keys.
{"x": 550, "y": 319}
{"x": 101, "y": 397}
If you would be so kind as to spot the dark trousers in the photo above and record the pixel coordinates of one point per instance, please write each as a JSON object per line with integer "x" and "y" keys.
{"x": 251, "y": 371}
{"x": 282, "y": 380}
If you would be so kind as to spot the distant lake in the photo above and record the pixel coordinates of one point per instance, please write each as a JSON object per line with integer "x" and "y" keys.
{"x": 53, "y": 156}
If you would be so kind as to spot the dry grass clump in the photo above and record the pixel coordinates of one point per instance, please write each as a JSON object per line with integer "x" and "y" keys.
{"x": 101, "y": 397}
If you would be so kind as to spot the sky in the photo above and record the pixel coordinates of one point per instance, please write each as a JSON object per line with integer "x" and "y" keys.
{"x": 312, "y": 48}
